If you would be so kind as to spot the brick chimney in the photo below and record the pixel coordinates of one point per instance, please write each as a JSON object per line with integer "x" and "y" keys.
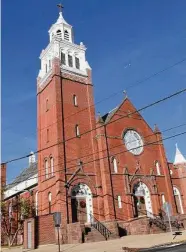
{"x": 3, "y": 174}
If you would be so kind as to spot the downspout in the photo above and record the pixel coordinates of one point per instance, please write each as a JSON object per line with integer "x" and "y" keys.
{"x": 64, "y": 147}
{"x": 108, "y": 158}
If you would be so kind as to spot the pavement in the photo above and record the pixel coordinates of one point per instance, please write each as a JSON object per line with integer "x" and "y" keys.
{"x": 131, "y": 241}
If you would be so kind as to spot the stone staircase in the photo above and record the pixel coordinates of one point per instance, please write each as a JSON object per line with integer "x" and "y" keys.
{"x": 163, "y": 224}
{"x": 93, "y": 235}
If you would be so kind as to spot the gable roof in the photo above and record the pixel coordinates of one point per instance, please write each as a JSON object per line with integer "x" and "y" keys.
{"x": 24, "y": 175}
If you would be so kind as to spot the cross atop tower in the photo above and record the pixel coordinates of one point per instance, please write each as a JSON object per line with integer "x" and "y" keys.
{"x": 60, "y": 6}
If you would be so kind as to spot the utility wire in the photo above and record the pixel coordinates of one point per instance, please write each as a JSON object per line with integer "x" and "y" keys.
{"x": 98, "y": 159}
{"x": 91, "y": 154}
{"x": 136, "y": 83}
{"x": 112, "y": 121}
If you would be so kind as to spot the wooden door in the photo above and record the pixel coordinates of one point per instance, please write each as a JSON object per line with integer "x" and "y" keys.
{"x": 82, "y": 211}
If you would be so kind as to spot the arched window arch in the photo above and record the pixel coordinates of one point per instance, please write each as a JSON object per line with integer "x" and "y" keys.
{"x": 49, "y": 202}
{"x": 75, "y": 100}
{"x": 66, "y": 35}
{"x": 178, "y": 199}
{"x": 77, "y": 130}
{"x": 115, "y": 165}
{"x": 52, "y": 165}
{"x": 46, "y": 168}
{"x": 36, "y": 203}
{"x": 58, "y": 33}
{"x": 157, "y": 168}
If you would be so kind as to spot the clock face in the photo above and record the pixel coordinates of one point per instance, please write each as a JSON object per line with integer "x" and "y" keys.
{"x": 133, "y": 142}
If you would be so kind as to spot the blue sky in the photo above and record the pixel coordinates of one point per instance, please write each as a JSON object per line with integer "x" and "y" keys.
{"x": 126, "y": 40}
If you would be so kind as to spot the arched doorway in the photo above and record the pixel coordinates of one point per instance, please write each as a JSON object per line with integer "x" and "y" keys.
{"x": 81, "y": 202}
{"x": 178, "y": 200}
{"x": 142, "y": 200}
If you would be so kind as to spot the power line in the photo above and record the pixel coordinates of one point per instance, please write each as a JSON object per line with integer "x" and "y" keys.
{"x": 91, "y": 154}
{"x": 112, "y": 121}
{"x": 98, "y": 159}
{"x": 136, "y": 83}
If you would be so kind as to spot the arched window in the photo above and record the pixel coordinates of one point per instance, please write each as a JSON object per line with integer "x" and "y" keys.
{"x": 70, "y": 63}
{"x": 115, "y": 165}
{"x": 47, "y": 135}
{"x": 46, "y": 168}
{"x": 119, "y": 202}
{"x": 49, "y": 201}
{"x": 52, "y": 165}
{"x": 77, "y": 62}
{"x": 157, "y": 168}
{"x": 63, "y": 58}
{"x": 47, "y": 107}
{"x": 49, "y": 64}
{"x": 163, "y": 199}
{"x": 66, "y": 35}
{"x": 46, "y": 68}
{"x": 77, "y": 131}
{"x": 58, "y": 33}
{"x": 178, "y": 200}
{"x": 75, "y": 100}
{"x": 36, "y": 203}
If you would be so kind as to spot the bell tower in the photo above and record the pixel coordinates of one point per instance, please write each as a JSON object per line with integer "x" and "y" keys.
{"x": 65, "y": 112}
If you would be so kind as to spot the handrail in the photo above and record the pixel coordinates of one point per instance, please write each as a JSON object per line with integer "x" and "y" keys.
{"x": 100, "y": 227}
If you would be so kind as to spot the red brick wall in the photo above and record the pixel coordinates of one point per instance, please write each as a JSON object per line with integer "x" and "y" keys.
{"x": 74, "y": 232}
{"x": 146, "y": 160}
{"x": 45, "y": 230}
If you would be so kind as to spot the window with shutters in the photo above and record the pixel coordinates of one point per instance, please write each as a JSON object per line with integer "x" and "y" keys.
{"x": 58, "y": 33}
{"x": 63, "y": 58}
{"x": 66, "y": 35}
{"x": 70, "y": 63}
{"x": 77, "y": 62}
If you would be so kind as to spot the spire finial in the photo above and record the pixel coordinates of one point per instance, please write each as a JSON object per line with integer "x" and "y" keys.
{"x": 60, "y": 6}
{"x": 125, "y": 93}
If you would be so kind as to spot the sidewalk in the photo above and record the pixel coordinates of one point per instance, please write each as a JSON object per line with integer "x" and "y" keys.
{"x": 132, "y": 241}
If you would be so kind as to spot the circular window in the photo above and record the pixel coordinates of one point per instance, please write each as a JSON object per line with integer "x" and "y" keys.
{"x": 133, "y": 142}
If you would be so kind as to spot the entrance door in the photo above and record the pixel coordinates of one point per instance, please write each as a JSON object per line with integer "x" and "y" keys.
{"x": 29, "y": 235}
{"x": 79, "y": 210}
{"x": 82, "y": 211}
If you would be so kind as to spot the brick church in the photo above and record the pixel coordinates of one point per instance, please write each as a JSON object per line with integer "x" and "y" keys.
{"x": 109, "y": 172}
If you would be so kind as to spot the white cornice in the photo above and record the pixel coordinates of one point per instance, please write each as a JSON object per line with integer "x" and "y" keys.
{"x": 22, "y": 186}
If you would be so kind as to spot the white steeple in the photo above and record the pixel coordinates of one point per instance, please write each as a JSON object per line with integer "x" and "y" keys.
{"x": 179, "y": 158}
{"x": 62, "y": 46}
{"x": 32, "y": 158}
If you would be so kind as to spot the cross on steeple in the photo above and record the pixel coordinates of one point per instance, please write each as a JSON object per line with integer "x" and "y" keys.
{"x": 60, "y": 6}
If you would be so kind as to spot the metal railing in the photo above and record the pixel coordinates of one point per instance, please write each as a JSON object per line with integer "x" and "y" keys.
{"x": 100, "y": 227}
